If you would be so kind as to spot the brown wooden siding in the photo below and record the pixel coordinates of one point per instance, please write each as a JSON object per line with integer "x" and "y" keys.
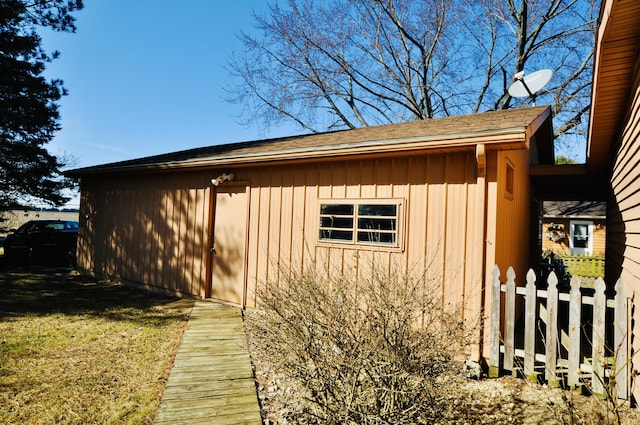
{"x": 624, "y": 212}
{"x": 513, "y": 213}
{"x": 623, "y": 215}
{"x": 439, "y": 193}
{"x": 154, "y": 228}
{"x": 150, "y": 229}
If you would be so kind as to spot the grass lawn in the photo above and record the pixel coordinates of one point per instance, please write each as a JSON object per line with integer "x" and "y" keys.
{"x": 79, "y": 351}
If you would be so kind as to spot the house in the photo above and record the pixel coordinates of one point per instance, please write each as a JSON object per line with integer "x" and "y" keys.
{"x": 614, "y": 149}
{"x": 451, "y": 195}
{"x": 574, "y": 227}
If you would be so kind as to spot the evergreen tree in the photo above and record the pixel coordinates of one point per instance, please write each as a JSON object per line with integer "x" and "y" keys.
{"x": 29, "y": 116}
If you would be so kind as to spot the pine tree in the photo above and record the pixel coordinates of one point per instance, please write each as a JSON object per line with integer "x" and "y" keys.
{"x": 29, "y": 115}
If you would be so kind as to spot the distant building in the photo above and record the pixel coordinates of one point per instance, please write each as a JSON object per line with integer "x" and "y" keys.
{"x": 574, "y": 227}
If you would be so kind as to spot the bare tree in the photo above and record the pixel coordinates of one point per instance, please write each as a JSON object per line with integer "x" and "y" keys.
{"x": 352, "y": 63}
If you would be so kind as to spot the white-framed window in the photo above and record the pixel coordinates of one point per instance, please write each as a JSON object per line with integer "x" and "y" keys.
{"x": 581, "y": 237}
{"x": 372, "y": 222}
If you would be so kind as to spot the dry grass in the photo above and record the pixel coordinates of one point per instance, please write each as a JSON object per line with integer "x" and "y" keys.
{"x": 78, "y": 351}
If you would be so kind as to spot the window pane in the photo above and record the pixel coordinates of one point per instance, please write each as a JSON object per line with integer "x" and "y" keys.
{"x": 339, "y": 222}
{"x": 336, "y": 209}
{"x": 581, "y": 236}
{"x": 377, "y": 210}
{"x": 581, "y": 231}
{"x": 377, "y": 237}
{"x": 340, "y": 235}
{"x": 27, "y": 227}
{"x": 376, "y": 224}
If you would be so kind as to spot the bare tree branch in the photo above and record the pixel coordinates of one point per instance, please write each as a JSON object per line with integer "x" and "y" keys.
{"x": 350, "y": 63}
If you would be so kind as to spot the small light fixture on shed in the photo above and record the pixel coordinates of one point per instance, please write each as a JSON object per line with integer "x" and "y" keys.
{"x": 222, "y": 178}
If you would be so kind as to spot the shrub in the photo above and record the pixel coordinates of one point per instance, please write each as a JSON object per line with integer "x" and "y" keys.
{"x": 372, "y": 350}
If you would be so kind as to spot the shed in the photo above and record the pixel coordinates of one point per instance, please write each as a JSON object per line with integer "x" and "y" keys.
{"x": 448, "y": 196}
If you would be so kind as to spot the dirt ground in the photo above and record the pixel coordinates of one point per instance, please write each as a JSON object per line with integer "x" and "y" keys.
{"x": 504, "y": 400}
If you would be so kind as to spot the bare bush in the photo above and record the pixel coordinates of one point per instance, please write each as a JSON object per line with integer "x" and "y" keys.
{"x": 373, "y": 350}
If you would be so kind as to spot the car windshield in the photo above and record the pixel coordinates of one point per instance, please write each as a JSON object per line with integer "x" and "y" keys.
{"x": 27, "y": 227}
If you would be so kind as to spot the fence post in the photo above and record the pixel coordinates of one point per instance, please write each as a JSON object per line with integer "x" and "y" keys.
{"x": 551, "y": 341}
{"x": 531, "y": 302}
{"x": 510, "y": 320}
{"x": 597, "y": 343}
{"x": 620, "y": 332}
{"x": 575, "y": 330}
{"x": 494, "y": 332}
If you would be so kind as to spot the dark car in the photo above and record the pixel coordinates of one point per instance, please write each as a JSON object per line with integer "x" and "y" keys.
{"x": 42, "y": 241}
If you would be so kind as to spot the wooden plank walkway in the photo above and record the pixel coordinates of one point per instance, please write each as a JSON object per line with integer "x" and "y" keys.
{"x": 211, "y": 381}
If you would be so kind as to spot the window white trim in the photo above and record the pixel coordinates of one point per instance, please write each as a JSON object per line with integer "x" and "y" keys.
{"x": 581, "y": 237}
{"x": 358, "y": 223}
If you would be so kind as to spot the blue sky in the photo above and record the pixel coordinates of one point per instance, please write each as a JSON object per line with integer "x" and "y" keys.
{"x": 147, "y": 76}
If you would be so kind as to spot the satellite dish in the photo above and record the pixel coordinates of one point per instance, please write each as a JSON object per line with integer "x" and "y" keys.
{"x": 529, "y": 85}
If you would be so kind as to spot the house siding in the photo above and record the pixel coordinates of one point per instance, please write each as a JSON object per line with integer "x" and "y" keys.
{"x": 562, "y": 246}
{"x": 623, "y": 215}
{"x": 624, "y": 212}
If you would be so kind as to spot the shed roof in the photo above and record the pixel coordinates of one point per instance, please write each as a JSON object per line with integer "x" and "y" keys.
{"x": 510, "y": 129}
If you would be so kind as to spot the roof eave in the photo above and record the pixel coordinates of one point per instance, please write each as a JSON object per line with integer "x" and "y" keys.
{"x": 513, "y": 138}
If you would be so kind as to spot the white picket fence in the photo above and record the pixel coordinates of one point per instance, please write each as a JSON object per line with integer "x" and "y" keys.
{"x": 562, "y": 359}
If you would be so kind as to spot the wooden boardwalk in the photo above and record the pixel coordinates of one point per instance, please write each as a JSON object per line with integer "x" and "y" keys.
{"x": 211, "y": 381}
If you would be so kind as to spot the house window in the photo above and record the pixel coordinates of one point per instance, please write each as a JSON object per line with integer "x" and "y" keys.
{"x": 581, "y": 238}
{"x": 363, "y": 222}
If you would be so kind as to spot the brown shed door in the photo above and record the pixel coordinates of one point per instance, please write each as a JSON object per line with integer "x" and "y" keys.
{"x": 230, "y": 235}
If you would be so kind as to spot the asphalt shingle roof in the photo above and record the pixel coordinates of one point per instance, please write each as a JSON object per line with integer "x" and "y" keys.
{"x": 575, "y": 208}
{"x": 443, "y": 131}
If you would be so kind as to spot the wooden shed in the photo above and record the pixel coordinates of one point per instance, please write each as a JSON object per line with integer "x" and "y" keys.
{"x": 450, "y": 194}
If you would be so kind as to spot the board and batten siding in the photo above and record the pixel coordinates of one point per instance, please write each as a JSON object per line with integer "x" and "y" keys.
{"x": 149, "y": 229}
{"x": 440, "y": 235}
{"x": 508, "y": 220}
{"x": 154, "y": 228}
